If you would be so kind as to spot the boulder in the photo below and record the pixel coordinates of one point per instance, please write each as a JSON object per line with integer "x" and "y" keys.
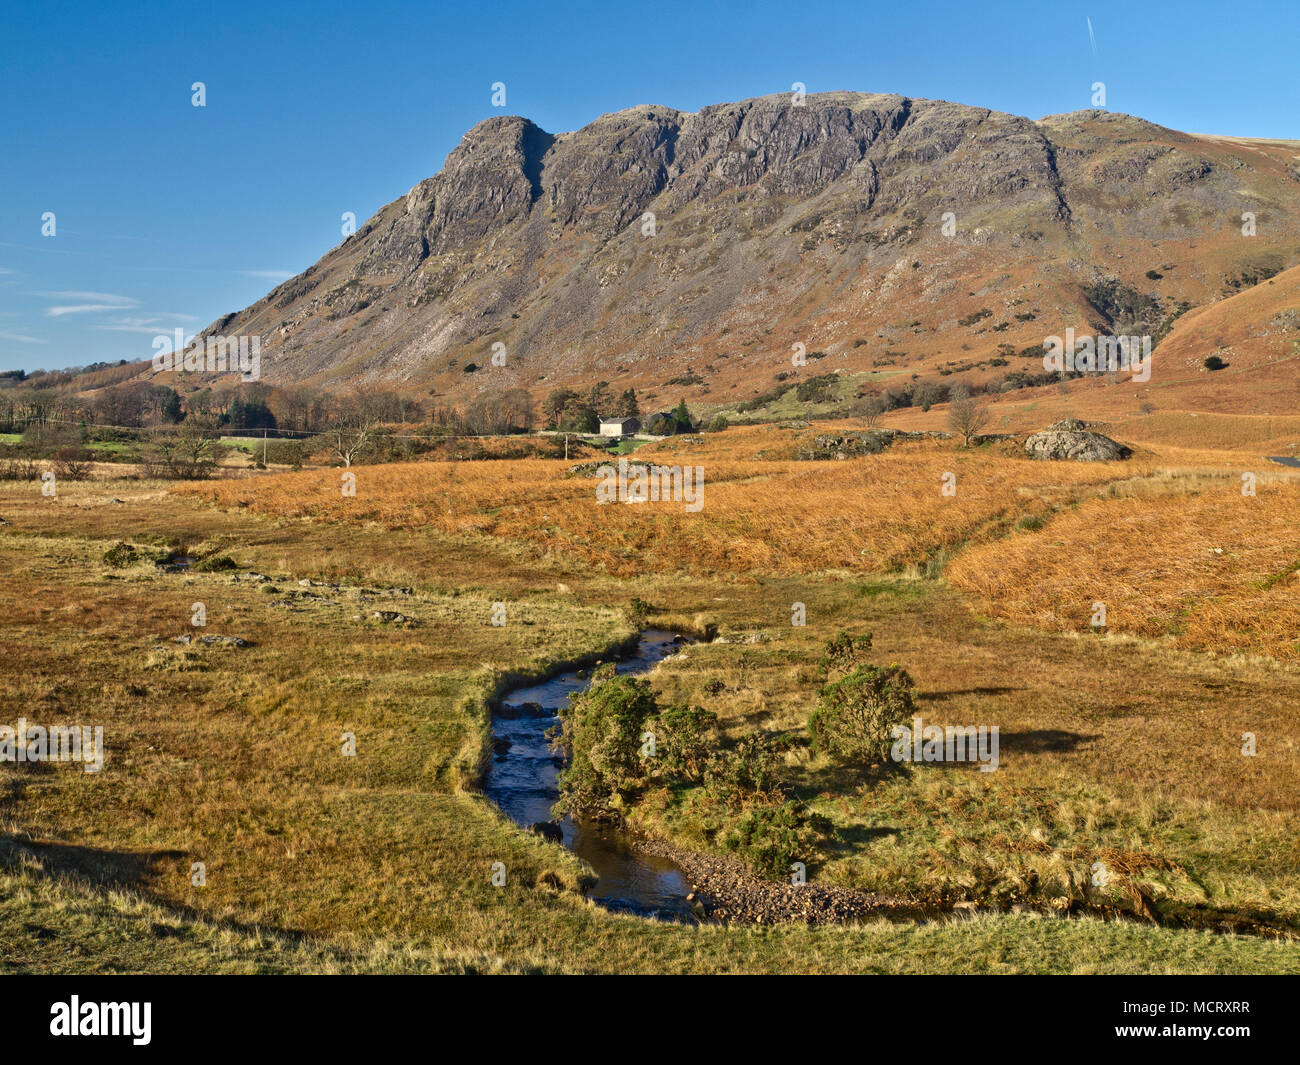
{"x": 1072, "y": 439}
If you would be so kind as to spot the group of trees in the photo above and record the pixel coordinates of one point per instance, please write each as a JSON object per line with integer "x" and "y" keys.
{"x": 580, "y": 412}
{"x": 255, "y": 408}
{"x": 678, "y": 420}
{"x": 494, "y": 413}
{"x": 93, "y": 397}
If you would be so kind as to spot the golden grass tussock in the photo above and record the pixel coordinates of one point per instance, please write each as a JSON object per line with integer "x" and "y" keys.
{"x": 1213, "y": 568}
{"x": 875, "y": 513}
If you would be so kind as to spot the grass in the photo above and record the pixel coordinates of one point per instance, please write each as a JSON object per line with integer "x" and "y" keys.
{"x": 769, "y": 514}
{"x": 1206, "y": 565}
{"x": 1120, "y": 749}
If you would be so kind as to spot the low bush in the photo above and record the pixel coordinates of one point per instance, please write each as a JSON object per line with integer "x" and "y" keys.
{"x": 738, "y": 774}
{"x": 681, "y": 746}
{"x": 771, "y": 838}
{"x": 121, "y": 554}
{"x": 854, "y": 717}
{"x": 215, "y": 564}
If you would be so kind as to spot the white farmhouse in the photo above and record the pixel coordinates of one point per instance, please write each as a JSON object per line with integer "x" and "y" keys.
{"x": 619, "y": 426}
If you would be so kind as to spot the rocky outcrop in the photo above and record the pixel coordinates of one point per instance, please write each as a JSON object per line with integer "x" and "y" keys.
{"x": 848, "y": 445}
{"x": 1072, "y": 439}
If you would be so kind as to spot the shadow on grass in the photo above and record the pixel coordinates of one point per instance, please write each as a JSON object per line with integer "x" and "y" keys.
{"x": 99, "y": 869}
{"x": 939, "y": 697}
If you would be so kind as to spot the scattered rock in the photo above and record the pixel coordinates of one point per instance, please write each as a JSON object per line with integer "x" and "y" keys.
{"x": 725, "y": 890}
{"x": 392, "y": 617}
{"x": 825, "y": 446}
{"x": 593, "y": 469}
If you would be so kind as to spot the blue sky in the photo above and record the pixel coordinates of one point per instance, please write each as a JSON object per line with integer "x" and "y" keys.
{"x": 169, "y": 215}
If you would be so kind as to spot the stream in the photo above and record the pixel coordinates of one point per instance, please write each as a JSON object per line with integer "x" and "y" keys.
{"x": 522, "y": 781}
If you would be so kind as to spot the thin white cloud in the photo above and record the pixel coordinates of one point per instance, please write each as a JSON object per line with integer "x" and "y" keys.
{"x": 22, "y": 338}
{"x": 99, "y": 297}
{"x": 151, "y": 324}
{"x": 269, "y": 275}
{"x": 86, "y": 303}
{"x": 90, "y": 302}
{"x": 80, "y": 308}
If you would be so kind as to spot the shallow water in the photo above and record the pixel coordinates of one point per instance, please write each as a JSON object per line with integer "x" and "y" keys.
{"x": 521, "y": 780}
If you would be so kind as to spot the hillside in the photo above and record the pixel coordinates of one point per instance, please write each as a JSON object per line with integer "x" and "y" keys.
{"x": 776, "y": 224}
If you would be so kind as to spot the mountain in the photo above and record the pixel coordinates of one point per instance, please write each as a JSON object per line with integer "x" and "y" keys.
{"x": 775, "y": 223}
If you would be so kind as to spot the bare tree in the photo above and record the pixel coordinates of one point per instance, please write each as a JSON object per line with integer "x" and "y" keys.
{"x": 194, "y": 441}
{"x": 187, "y": 452}
{"x": 352, "y": 435}
{"x": 871, "y": 408}
{"x": 966, "y": 417}
{"x": 926, "y": 394}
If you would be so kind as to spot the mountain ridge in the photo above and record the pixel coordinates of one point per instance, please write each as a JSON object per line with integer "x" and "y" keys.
{"x": 774, "y": 224}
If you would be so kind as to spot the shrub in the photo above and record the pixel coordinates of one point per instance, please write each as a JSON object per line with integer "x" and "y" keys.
{"x": 843, "y": 652}
{"x": 600, "y": 735}
{"x": 285, "y": 453}
{"x": 772, "y": 837}
{"x": 680, "y": 748}
{"x": 746, "y": 770}
{"x": 121, "y": 554}
{"x": 816, "y": 389}
{"x": 856, "y": 713}
{"x": 977, "y": 316}
{"x": 20, "y": 469}
{"x": 1214, "y": 363}
{"x": 72, "y": 463}
{"x": 719, "y": 423}
{"x": 637, "y": 610}
{"x": 215, "y": 564}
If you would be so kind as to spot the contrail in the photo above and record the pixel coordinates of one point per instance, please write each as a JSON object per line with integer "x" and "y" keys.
{"x": 1092, "y": 37}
